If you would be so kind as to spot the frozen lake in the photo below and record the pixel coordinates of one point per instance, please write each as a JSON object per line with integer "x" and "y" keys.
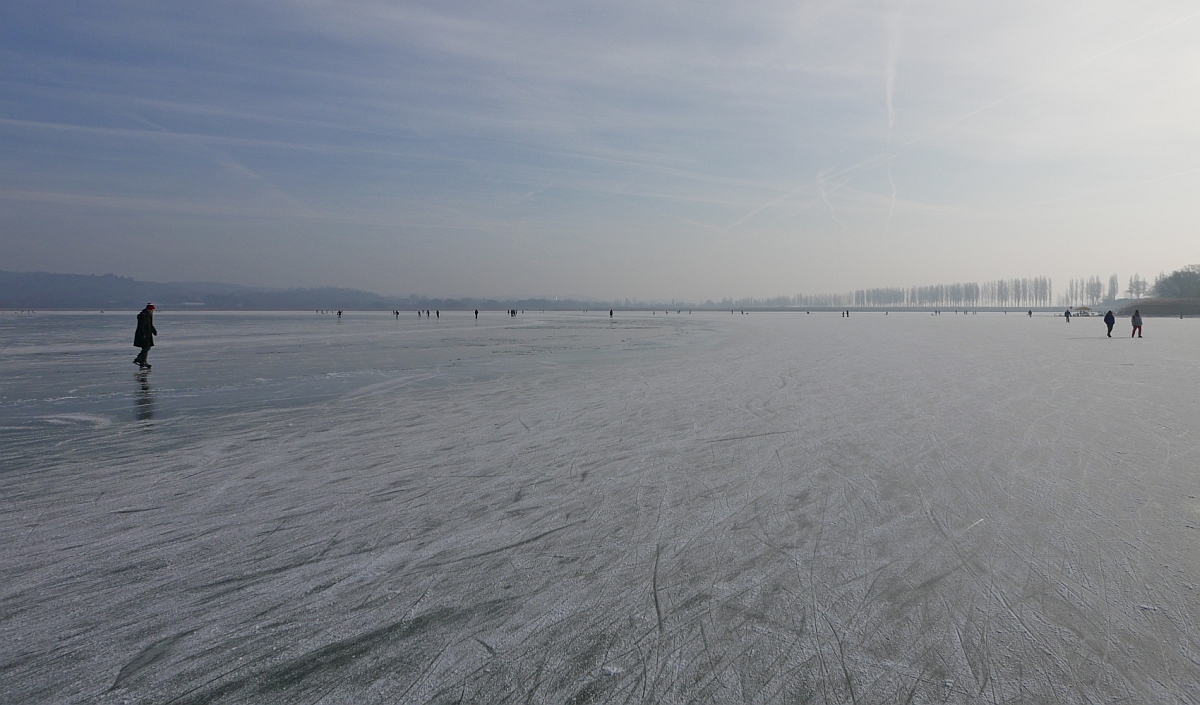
{"x": 556, "y": 508}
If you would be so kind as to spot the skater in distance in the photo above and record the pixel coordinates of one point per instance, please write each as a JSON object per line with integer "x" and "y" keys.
{"x": 144, "y": 336}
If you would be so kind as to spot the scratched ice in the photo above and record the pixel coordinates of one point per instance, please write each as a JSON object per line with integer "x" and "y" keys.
{"x": 556, "y": 508}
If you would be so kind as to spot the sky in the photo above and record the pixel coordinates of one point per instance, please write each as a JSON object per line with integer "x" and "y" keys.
{"x": 653, "y": 149}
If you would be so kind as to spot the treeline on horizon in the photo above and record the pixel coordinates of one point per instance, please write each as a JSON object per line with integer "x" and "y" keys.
{"x": 1033, "y": 292}
{"x": 1036, "y": 291}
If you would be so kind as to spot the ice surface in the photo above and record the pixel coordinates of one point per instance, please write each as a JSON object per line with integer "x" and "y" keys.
{"x": 556, "y": 508}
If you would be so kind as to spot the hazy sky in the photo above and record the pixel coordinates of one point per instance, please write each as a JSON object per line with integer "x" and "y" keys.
{"x": 612, "y": 149}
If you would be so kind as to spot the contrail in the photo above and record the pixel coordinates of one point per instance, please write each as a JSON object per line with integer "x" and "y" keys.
{"x": 893, "y": 58}
{"x": 818, "y": 182}
{"x": 889, "y": 71}
{"x": 223, "y": 158}
{"x": 825, "y": 198}
{"x": 1050, "y": 77}
{"x": 799, "y": 189}
{"x": 885, "y": 157}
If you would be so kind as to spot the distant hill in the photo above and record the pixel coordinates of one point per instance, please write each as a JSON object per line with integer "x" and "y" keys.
{"x": 33, "y": 290}
{"x": 40, "y": 290}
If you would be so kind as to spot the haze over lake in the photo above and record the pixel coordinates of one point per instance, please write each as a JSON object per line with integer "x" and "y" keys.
{"x": 563, "y": 508}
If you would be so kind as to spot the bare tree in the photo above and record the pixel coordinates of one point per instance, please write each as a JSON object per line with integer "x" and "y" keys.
{"x": 1137, "y": 287}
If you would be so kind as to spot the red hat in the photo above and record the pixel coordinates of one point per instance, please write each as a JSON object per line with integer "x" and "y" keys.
{"x": 150, "y": 306}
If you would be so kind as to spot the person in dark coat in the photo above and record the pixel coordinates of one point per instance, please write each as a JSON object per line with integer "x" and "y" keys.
{"x": 1110, "y": 320}
{"x": 144, "y": 337}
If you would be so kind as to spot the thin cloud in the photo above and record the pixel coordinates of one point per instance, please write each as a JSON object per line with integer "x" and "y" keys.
{"x": 560, "y": 128}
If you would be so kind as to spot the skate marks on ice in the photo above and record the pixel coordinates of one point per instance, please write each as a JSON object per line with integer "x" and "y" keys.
{"x": 781, "y": 513}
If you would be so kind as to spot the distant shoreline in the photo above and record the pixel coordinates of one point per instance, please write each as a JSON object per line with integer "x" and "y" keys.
{"x": 1151, "y": 308}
